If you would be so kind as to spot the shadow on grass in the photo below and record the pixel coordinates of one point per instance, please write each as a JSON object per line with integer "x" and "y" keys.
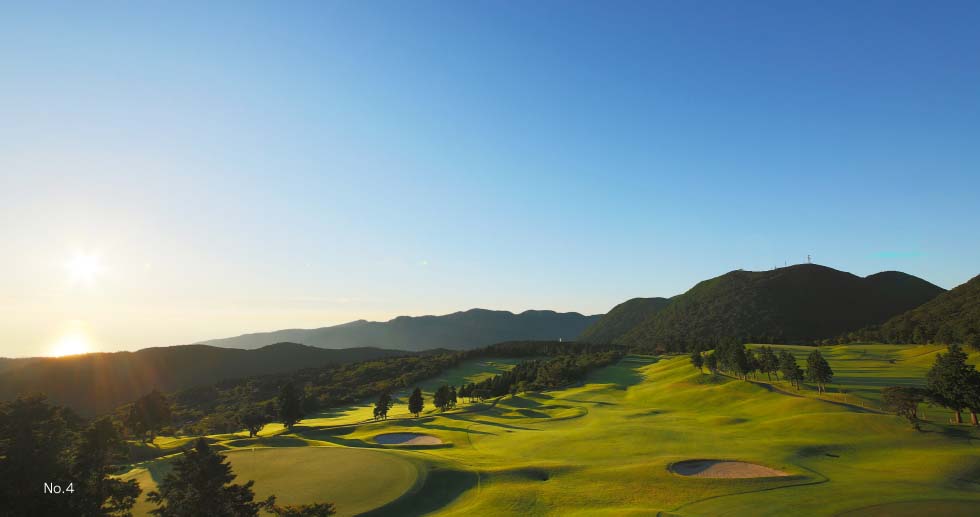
{"x": 487, "y": 422}
{"x": 623, "y": 374}
{"x": 442, "y": 486}
{"x": 448, "y": 428}
{"x": 269, "y": 441}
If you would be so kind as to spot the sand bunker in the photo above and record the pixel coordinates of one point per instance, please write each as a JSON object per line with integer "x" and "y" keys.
{"x": 407, "y": 439}
{"x": 723, "y": 469}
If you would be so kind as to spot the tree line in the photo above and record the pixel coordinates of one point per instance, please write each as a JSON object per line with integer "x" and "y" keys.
{"x": 736, "y": 360}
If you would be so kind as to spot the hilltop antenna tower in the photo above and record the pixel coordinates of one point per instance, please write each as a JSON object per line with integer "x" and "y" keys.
{"x": 808, "y": 259}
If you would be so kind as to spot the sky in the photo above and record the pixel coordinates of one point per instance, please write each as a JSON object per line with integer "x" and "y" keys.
{"x": 172, "y": 172}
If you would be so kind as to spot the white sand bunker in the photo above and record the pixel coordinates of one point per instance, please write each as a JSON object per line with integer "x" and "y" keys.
{"x": 407, "y": 439}
{"x": 723, "y": 469}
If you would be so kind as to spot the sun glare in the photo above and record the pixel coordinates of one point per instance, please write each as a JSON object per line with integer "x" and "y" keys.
{"x": 72, "y": 343}
{"x": 84, "y": 268}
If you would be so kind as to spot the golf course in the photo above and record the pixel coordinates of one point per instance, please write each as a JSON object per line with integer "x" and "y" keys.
{"x": 647, "y": 435}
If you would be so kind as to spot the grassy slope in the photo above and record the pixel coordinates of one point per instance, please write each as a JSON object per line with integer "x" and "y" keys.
{"x": 603, "y": 448}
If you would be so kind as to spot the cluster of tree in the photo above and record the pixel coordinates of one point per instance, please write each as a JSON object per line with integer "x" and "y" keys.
{"x": 252, "y": 402}
{"x": 950, "y": 318}
{"x": 737, "y": 361}
{"x": 541, "y": 374}
{"x": 224, "y": 407}
{"x": 445, "y": 398}
{"x": 43, "y": 446}
{"x": 46, "y": 447}
{"x": 542, "y": 348}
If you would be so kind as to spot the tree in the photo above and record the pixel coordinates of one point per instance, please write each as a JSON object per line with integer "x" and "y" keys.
{"x": 382, "y": 406}
{"x": 769, "y": 363}
{"x": 305, "y": 510}
{"x": 949, "y": 382}
{"x": 453, "y": 399}
{"x": 697, "y": 360}
{"x": 441, "y": 398}
{"x": 253, "y": 420}
{"x": 712, "y": 363}
{"x": 290, "y": 405}
{"x": 148, "y": 415}
{"x": 903, "y": 401}
{"x": 416, "y": 403}
{"x": 739, "y": 360}
{"x": 818, "y": 370}
{"x": 791, "y": 371}
{"x": 201, "y": 484}
{"x": 34, "y": 440}
{"x": 97, "y": 492}
{"x": 755, "y": 363}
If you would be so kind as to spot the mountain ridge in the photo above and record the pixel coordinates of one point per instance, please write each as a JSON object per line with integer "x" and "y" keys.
{"x": 463, "y": 330}
{"x": 799, "y": 304}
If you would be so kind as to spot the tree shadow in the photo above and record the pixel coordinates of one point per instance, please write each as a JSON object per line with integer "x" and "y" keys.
{"x": 442, "y": 486}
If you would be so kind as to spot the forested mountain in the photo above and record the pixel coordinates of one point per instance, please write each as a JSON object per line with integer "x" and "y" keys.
{"x": 797, "y": 304}
{"x": 460, "y": 330}
{"x": 622, "y": 319}
{"x": 96, "y": 383}
{"x": 951, "y": 317}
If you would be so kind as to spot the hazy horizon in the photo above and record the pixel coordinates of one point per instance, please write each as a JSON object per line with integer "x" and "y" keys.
{"x": 172, "y": 173}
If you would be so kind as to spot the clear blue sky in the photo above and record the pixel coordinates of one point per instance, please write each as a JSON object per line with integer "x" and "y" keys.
{"x": 253, "y": 166}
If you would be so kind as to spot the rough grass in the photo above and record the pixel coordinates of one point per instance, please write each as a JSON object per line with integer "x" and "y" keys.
{"x": 604, "y": 447}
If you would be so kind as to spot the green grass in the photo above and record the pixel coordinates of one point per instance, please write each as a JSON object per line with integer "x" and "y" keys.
{"x": 603, "y": 447}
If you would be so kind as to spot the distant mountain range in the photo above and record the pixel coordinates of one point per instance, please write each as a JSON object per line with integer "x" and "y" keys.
{"x": 474, "y": 328}
{"x": 951, "y": 317}
{"x": 797, "y": 304}
{"x": 96, "y": 383}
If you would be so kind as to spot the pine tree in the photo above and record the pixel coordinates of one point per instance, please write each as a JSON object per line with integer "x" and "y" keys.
{"x": 201, "y": 484}
{"x": 416, "y": 403}
{"x": 382, "y": 406}
{"x": 791, "y": 371}
{"x": 818, "y": 370}
{"x": 97, "y": 491}
{"x": 950, "y": 380}
{"x": 290, "y": 405}
{"x": 712, "y": 362}
{"x": 769, "y": 363}
{"x": 697, "y": 360}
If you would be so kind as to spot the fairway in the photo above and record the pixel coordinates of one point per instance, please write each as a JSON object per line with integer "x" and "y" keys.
{"x": 607, "y": 446}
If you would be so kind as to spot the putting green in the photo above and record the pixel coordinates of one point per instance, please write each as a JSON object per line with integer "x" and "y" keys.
{"x": 355, "y": 480}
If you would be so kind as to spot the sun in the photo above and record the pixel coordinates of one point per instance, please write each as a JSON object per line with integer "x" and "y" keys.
{"x": 84, "y": 268}
{"x": 72, "y": 343}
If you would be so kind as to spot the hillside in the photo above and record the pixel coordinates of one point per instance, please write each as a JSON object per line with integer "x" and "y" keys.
{"x": 96, "y": 383}
{"x": 609, "y": 444}
{"x": 951, "y": 317}
{"x": 622, "y": 319}
{"x": 460, "y": 330}
{"x": 796, "y": 304}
